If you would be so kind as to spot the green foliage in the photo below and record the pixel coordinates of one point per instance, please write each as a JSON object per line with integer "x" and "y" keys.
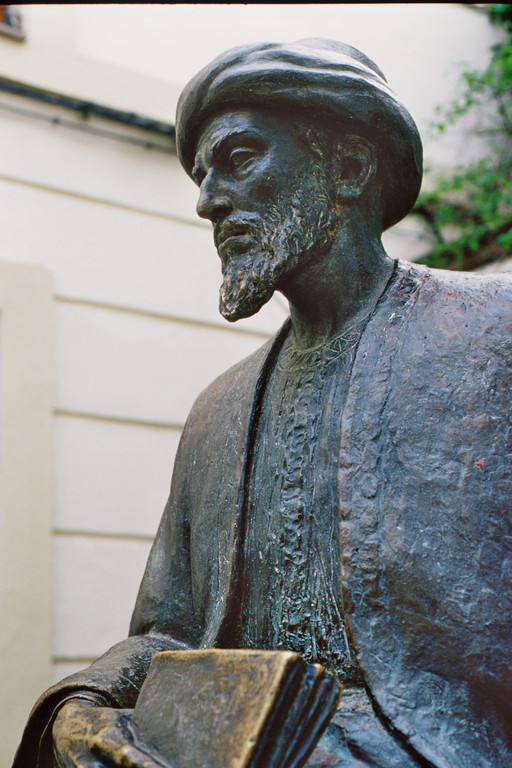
{"x": 469, "y": 214}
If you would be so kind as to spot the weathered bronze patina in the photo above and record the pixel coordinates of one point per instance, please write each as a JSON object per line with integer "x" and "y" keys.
{"x": 345, "y": 492}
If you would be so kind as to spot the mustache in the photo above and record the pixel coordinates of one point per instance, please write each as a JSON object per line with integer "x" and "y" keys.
{"x": 233, "y": 226}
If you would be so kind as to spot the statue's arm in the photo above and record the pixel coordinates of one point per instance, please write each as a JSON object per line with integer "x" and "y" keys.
{"x": 112, "y": 681}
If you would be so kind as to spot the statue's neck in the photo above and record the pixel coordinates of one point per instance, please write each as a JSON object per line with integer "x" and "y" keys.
{"x": 338, "y": 289}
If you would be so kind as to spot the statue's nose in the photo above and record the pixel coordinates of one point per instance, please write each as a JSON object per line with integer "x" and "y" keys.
{"x": 214, "y": 203}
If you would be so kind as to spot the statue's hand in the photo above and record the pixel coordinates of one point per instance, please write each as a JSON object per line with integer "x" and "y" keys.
{"x": 86, "y": 735}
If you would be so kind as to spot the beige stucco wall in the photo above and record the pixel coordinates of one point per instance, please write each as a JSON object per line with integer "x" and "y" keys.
{"x": 26, "y": 493}
{"x": 127, "y": 272}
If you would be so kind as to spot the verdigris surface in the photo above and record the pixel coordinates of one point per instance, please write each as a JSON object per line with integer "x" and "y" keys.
{"x": 345, "y": 492}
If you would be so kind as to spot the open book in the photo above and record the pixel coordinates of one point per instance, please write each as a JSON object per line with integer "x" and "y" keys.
{"x": 233, "y": 708}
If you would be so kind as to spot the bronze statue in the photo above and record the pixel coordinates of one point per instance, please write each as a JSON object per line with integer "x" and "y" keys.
{"x": 344, "y": 492}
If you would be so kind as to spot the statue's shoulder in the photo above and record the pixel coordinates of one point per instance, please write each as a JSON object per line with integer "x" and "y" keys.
{"x": 239, "y": 376}
{"x": 460, "y": 297}
{"x": 477, "y": 284}
{"x": 230, "y": 396}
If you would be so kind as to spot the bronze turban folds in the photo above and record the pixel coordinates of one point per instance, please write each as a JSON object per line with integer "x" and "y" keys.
{"x": 320, "y": 79}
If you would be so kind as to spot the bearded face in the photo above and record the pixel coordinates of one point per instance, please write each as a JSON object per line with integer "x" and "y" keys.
{"x": 259, "y": 251}
{"x": 265, "y": 186}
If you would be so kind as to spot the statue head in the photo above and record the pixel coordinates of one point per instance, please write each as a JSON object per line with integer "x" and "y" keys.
{"x": 305, "y": 131}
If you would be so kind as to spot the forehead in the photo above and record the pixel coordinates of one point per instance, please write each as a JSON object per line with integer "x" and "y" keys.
{"x": 239, "y": 124}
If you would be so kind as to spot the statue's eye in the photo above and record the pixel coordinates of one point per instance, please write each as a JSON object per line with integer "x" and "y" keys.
{"x": 240, "y": 156}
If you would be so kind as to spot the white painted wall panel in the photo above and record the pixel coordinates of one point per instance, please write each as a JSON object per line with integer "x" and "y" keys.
{"x": 78, "y": 162}
{"x": 112, "y": 478}
{"x": 26, "y": 495}
{"x": 108, "y": 254}
{"x": 51, "y": 58}
{"x": 119, "y": 364}
{"x": 96, "y": 582}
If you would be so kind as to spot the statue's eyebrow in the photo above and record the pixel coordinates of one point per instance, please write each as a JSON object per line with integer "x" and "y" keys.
{"x": 228, "y": 139}
{"x": 220, "y": 143}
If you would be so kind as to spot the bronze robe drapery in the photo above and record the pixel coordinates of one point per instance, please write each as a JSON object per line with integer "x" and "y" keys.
{"x": 425, "y": 502}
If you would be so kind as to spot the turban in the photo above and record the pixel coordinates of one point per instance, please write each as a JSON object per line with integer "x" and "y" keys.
{"x": 320, "y": 79}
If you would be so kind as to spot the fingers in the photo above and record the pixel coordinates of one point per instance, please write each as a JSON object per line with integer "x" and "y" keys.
{"x": 134, "y": 758}
{"x": 76, "y": 761}
{"x": 116, "y": 746}
{"x": 87, "y": 736}
{"x": 124, "y": 756}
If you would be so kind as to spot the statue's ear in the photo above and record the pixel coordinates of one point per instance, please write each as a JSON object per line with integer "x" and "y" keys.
{"x": 355, "y": 165}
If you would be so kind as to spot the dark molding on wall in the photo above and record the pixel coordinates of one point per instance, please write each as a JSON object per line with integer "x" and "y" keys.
{"x": 87, "y": 109}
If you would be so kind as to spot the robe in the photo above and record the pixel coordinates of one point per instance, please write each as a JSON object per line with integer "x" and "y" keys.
{"x": 425, "y": 524}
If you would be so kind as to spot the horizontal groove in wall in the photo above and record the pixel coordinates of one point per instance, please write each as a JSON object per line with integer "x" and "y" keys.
{"x": 210, "y": 325}
{"x": 85, "y": 660}
{"x": 141, "y": 538}
{"x": 103, "y": 201}
{"x": 117, "y": 419}
{"x": 85, "y": 127}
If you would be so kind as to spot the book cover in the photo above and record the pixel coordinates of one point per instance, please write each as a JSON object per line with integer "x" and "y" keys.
{"x": 233, "y": 708}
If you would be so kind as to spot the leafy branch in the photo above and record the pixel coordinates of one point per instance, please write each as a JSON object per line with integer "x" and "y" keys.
{"x": 468, "y": 215}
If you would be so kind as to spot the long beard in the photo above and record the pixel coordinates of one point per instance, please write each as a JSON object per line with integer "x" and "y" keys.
{"x": 275, "y": 244}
